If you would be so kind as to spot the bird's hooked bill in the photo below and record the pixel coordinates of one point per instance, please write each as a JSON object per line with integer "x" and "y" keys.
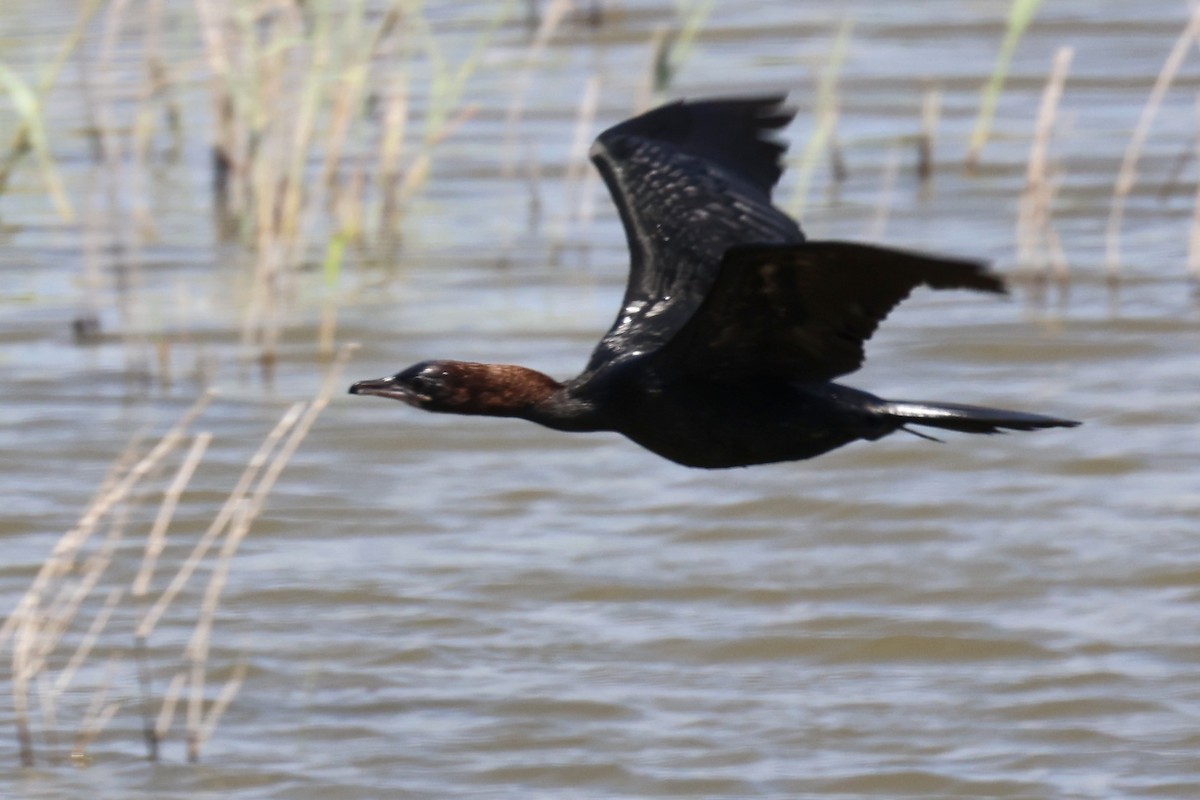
{"x": 387, "y": 387}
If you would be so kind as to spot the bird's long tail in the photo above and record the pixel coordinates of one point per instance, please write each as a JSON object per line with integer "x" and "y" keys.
{"x": 970, "y": 419}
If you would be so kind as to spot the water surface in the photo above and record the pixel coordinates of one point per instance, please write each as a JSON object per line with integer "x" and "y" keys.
{"x": 442, "y": 607}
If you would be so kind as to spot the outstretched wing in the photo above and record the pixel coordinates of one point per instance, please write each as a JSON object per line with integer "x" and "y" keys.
{"x": 690, "y": 180}
{"x": 802, "y": 312}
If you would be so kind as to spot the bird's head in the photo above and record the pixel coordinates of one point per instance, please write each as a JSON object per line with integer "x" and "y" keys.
{"x": 463, "y": 387}
{"x": 431, "y": 385}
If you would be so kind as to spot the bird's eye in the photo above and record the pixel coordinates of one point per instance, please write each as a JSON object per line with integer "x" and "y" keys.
{"x": 427, "y": 381}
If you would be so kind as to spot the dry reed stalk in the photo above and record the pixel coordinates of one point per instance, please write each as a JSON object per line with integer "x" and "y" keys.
{"x": 206, "y": 727}
{"x": 32, "y": 137}
{"x": 170, "y": 701}
{"x": 62, "y": 557}
{"x": 49, "y": 708}
{"x": 822, "y": 139}
{"x": 264, "y": 317}
{"x": 257, "y": 461}
{"x": 157, "y": 538}
{"x": 290, "y": 230}
{"x": 418, "y": 171}
{"x": 119, "y": 172}
{"x": 353, "y": 70}
{"x": 86, "y": 324}
{"x": 99, "y": 713}
{"x": 22, "y": 648}
{"x": 94, "y": 727}
{"x": 285, "y": 137}
{"x": 156, "y": 80}
{"x": 887, "y": 192}
{"x": 827, "y": 111}
{"x": 1020, "y": 15}
{"x": 585, "y": 210}
{"x": 50, "y": 694}
{"x": 114, "y": 19}
{"x": 268, "y": 257}
{"x": 1035, "y": 229}
{"x": 88, "y": 642}
{"x": 23, "y": 139}
{"x": 531, "y": 171}
{"x": 54, "y": 623}
{"x": 162, "y": 349}
{"x": 61, "y": 612}
{"x": 348, "y": 97}
{"x": 120, "y": 466}
{"x": 391, "y": 150}
{"x": 643, "y": 96}
{"x": 145, "y": 698}
{"x": 394, "y": 94}
{"x": 1127, "y": 176}
{"x": 838, "y": 171}
{"x": 227, "y": 162}
{"x": 1194, "y": 234}
{"x": 444, "y": 113}
{"x": 158, "y": 84}
{"x": 694, "y": 14}
{"x": 550, "y": 21}
{"x": 195, "y": 706}
{"x": 327, "y": 330}
{"x": 931, "y": 112}
{"x": 247, "y": 511}
{"x": 577, "y": 163}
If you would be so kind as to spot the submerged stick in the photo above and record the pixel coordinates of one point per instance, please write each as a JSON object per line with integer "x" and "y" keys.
{"x": 931, "y": 112}
{"x": 146, "y": 698}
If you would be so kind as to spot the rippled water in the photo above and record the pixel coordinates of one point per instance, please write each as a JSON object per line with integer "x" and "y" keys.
{"x": 443, "y": 607}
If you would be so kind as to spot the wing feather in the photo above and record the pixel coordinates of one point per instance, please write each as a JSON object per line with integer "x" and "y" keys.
{"x": 690, "y": 180}
{"x": 803, "y": 312}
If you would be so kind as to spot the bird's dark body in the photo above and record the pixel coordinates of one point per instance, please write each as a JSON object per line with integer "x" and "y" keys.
{"x": 762, "y": 423}
{"x": 733, "y": 325}
{"x": 755, "y": 421}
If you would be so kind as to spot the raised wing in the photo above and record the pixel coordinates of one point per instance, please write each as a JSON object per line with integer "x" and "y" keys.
{"x": 690, "y": 180}
{"x": 802, "y": 312}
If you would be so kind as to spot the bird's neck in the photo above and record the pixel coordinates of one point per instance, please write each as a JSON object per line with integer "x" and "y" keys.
{"x": 508, "y": 390}
{"x": 500, "y": 390}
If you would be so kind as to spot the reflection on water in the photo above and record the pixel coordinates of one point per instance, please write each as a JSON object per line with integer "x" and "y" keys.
{"x": 442, "y": 607}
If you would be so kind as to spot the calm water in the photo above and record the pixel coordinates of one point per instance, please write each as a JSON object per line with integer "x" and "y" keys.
{"x": 441, "y": 607}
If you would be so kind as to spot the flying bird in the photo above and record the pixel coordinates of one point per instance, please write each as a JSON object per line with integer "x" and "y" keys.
{"x": 733, "y": 326}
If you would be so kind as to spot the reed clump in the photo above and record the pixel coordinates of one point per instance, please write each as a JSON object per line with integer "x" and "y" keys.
{"x": 86, "y": 605}
{"x": 317, "y": 149}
